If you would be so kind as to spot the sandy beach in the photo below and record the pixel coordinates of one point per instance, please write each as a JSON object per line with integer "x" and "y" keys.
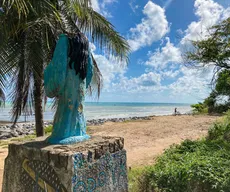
{"x": 147, "y": 139}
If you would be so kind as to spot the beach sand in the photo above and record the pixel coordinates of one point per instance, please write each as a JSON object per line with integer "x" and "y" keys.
{"x": 147, "y": 139}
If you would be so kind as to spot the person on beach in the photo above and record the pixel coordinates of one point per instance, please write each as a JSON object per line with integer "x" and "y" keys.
{"x": 175, "y": 111}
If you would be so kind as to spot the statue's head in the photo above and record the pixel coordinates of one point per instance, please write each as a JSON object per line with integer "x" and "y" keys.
{"x": 79, "y": 54}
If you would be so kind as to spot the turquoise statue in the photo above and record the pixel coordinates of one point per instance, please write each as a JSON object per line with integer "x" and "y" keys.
{"x": 66, "y": 78}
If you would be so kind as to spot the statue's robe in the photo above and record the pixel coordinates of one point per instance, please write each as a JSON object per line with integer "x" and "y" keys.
{"x": 61, "y": 82}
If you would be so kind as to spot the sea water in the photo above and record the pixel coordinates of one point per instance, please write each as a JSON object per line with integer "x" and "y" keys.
{"x": 100, "y": 110}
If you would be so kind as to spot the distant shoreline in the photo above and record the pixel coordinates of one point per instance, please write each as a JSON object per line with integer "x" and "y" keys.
{"x": 118, "y": 119}
{"x": 108, "y": 110}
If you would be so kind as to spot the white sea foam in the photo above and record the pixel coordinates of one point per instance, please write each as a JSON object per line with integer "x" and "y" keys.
{"x": 112, "y": 110}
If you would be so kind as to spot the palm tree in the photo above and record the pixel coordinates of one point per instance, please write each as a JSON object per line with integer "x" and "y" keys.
{"x": 28, "y": 33}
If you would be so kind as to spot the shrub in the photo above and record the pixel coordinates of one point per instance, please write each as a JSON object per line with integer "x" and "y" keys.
{"x": 199, "y": 108}
{"x": 192, "y": 166}
{"x": 220, "y": 130}
{"x": 217, "y": 131}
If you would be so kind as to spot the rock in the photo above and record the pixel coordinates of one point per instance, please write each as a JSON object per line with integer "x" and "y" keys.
{"x": 28, "y": 128}
{"x": 30, "y": 132}
{"x": 20, "y": 131}
{"x": 14, "y": 134}
{"x": 5, "y": 136}
{"x": 6, "y": 131}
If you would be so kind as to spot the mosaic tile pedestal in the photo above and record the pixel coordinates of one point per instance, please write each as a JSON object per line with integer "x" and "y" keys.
{"x": 96, "y": 165}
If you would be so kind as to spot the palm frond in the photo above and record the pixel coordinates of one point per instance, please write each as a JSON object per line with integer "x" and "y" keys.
{"x": 2, "y": 97}
{"x": 18, "y": 13}
{"x": 29, "y": 30}
{"x": 21, "y": 91}
{"x": 97, "y": 80}
{"x": 29, "y": 9}
{"x": 103, "y": 34}
{"x": 28, "y": 70}
{"x": 22, "y": 6}
{"x": 9, "y": 57}
{"x": 97, "y": 28}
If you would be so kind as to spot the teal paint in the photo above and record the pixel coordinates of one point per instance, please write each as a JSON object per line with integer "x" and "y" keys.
{"x": 105, "y": 174}
{"x": 60, "y": 81}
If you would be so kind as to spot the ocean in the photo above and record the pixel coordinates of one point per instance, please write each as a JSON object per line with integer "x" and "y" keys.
{"x": 100, "y": 110}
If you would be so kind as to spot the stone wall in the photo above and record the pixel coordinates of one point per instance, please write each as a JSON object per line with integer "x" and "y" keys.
{"x": 28, "y": 128}
{"x": 98, "y": 164}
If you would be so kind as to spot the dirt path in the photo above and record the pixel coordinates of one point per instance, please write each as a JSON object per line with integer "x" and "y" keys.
{"x": 145, "y": 140}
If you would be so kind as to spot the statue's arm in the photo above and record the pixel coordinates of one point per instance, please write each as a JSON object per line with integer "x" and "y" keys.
{"x": 55, "y": 72}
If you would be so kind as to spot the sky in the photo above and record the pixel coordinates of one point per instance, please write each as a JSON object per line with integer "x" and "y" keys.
{"x": 158, "y": 32}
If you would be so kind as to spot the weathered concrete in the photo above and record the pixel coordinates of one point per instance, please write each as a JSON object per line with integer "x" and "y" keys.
{"x": 98, "y": 164}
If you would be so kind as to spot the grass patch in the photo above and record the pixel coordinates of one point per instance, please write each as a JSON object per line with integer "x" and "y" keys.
{"x": 192, "y": 166}
{"x": 49, "y": 129}
{"x": 133, "y": 177}
{"x": 24, "y": 138}
{"x": 4, "y": 143}
{"x": 89, "y": 129}
{"x": 128, "y": 121}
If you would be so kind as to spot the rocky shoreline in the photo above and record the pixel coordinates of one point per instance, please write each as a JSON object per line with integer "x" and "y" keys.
{"x": 28, "y": 128}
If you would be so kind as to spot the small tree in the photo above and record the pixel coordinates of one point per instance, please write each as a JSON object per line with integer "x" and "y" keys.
{"x": 214, "y": 50}
{"x": 223, "y": 83}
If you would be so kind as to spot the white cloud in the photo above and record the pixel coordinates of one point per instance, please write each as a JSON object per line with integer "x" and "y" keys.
{"x": 95, "y": 5}
{"x": 106, "y": 2}
{"x": 194, "y": 82}
{"x": 162, "y": 56}
{"x": 147, "y": 80}
{"x": 226, "y": 13}
{"x": 152, "y": 28}
{"x": 101, "y": 6}
{"x": 169, "y": 74}
{"x": 133, "y": 6}
{"x": 209, "y": 13}
{"x": 187, "y": 82}
{"x": 146, "y": 83}
{"x": 167, "y": 3}
{"x": 92, "y": 47}
{"x": 110, "y": 68}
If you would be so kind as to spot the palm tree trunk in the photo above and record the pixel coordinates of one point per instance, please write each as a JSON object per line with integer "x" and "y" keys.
{"x": 38, "y": 96}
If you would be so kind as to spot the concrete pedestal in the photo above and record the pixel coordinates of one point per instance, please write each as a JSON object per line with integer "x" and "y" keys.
{"x": 98, "y": 164}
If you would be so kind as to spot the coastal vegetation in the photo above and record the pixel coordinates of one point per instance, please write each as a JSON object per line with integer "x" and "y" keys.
{"x": 214, "y": 51}
{"x": 142, "y": 147}
{"x": 201, "y": 165}
{"x": 29, "y": 30}
{"x": 218, "y": 101}
{"x": 192, "y": 166}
